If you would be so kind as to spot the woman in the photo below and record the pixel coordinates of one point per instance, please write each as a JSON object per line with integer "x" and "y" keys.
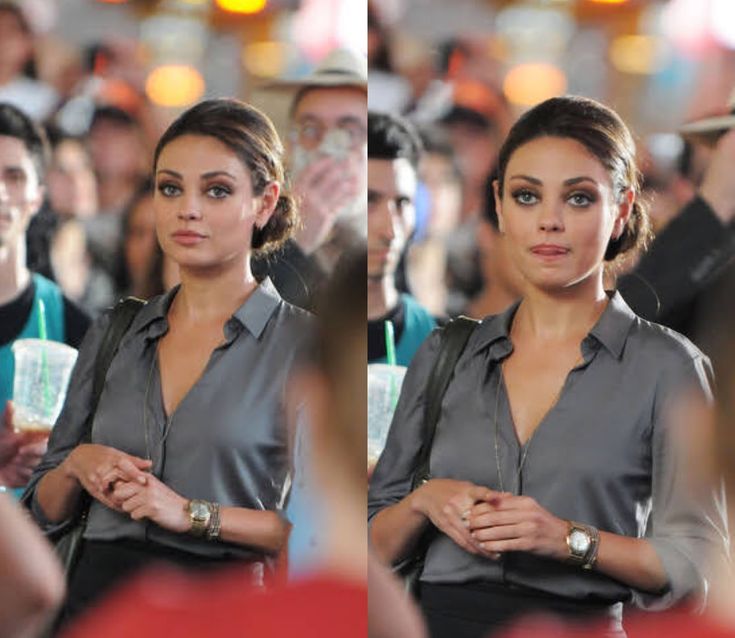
{"x": 188, "y": 461}
{"x": 554, "y": 487}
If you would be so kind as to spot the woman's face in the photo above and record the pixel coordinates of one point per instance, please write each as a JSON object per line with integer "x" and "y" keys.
{"x": 559, "y": 212}
{"x": 204, "y": 204}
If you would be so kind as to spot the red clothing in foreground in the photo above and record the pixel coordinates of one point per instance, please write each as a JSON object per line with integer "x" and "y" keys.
{"x": 679, "y": 623}
{"x": 171, "y": 605}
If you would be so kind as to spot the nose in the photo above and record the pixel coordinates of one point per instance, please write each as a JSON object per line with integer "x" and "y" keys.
{"x": 388, "y": 219}
{"x": 4, "y": 197}
{"x": 551, "y": 218}
{"x": 189, "y": 208}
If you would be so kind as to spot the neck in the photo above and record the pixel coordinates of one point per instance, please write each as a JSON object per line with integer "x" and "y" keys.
{"x": 560, "y": 315}
{"x": 382, "y": 296}
{"x": 210, "y": 295}
{"x": 14, "y": 274}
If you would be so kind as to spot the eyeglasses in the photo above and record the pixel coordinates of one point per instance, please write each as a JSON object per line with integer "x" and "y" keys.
{"x": 348, "y": 135}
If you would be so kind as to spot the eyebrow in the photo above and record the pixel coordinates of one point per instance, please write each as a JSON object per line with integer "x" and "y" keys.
{"x": 567, "y": 182}
{"x": 206, "y": 175}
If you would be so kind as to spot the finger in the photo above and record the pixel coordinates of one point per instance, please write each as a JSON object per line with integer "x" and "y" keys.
{"x": 129, "y": 471}
{"x": 493, "y": 518}
{"x": 8, "y": 416}
{"x": 313, "y": 174}
{"x": 509, "y": 545}
{"x": 140, "y": 512}
{"x": 134, "y": 503}
{"x": 141, "y": 464}
{"x": 500, "y": 532}
{"x": 481, "y": 493}
{"x": 37, "y": 449}
{"x": 456, "y": 529}
{"x": 124, "y": 491}
{"x": 464, "y": 542}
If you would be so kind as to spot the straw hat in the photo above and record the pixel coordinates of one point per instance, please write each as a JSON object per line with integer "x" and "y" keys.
{"x": 709, "y": 129}
{"x": 341, "y": 67}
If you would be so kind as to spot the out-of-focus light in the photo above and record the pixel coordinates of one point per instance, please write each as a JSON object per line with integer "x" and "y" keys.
{"x": 242, "y": 6}
{"x": 529, "y": 84}
{"x": 686, "y": 22}
{"x": 609, "y": 1}
{"x": 174, "y": 85}
{"x": 265, "y": 59}
{"x": 112, "y": 1}
{"x": 640, "y": 54}
{"x": 723, "y": 22}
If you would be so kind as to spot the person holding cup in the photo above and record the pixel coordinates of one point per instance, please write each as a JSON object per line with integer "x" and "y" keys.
{"x": 29, "y": 303}
{"x": 189, "y": 458}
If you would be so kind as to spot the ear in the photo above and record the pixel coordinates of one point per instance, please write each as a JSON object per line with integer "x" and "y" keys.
{"x": 624, "y": 211}
{"x": 268, "y": 200}
{"x": 498, "y": 205}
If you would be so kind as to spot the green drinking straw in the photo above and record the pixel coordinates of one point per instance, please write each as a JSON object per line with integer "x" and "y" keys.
{"x": 43, "y": 335}
{"x": 390, "y": 355}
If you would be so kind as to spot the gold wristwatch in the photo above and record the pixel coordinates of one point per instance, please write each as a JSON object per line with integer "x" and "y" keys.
{"x": 582, "y": 541}
{"x": 200, "y": 515}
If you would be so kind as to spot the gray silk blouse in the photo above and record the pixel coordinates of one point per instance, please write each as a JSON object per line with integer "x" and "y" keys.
{"x": 226, "y": 441}
{"x": 600, "y": 456}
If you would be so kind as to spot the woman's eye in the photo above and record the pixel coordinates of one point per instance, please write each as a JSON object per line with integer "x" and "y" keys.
{"x": 218, "y": 192}
{"x": 168, "y": 190}
{"x": 580, "y": 200}
{"x": 525, "y": 198}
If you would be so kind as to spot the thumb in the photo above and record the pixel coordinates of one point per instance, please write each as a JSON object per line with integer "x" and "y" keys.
{"x": 8, "y": 415}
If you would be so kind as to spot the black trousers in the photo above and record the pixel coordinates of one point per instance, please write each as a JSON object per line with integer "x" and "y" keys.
{"x": 481, "y": 610}
{"x": 102, "y": 566}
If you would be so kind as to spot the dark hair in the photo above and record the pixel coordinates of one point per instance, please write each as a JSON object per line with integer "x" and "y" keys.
{"x": 252, "y": 137}
{"x": 391, "y": 137}
{"x": 601, "y": 131}
{"x": 15, "y": 123}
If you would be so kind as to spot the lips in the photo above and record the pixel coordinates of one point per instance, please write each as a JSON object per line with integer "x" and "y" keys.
{"x": 549, "y": 250}
{"x": 187, "y": 237}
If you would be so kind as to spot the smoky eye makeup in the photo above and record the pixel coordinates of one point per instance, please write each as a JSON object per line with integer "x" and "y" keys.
{"x": 524, "y": 195}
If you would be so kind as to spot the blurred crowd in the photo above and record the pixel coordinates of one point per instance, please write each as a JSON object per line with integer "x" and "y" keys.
{"x": 454, "y": 260}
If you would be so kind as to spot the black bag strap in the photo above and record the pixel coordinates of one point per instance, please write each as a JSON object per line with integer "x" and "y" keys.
{"x": 121, "y": 317}
{"x": 454, "y": 338}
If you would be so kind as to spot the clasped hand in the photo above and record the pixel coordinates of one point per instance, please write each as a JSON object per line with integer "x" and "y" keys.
{"x": 502, "y": 522}
{"x": 123, "y": 482}
{"x": 488, "y": 523}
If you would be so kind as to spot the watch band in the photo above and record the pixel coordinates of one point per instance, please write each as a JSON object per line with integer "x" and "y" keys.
{"x": 591, "y": 558}
{"x": 215, "y": 523}
{"x": 199, "y": 525}
{"x": 588, "y": 559}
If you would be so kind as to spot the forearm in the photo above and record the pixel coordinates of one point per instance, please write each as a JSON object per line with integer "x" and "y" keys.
{"x": 32, "y": 584}
{"x": 57, "y": 493}
{"x": 632, "y": 561}
{"x": 395, "y": 529}
{"x": 263, "y": 529}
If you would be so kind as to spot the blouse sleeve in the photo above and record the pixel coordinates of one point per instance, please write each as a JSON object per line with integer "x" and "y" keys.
{"x": 391, "y": 480}
{"x": 687, "y": 524}
{"x": 69, "y": 428}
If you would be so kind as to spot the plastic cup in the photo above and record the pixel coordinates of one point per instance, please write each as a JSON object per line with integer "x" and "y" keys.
{"x": 42, "y": 372}
{"x": 384, "y": 386}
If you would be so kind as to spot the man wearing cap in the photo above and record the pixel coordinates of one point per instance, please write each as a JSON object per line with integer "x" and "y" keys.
{"x": 672, "y": 283}
{"x": 23, "y": 152}
{"x": 327, "y": 147}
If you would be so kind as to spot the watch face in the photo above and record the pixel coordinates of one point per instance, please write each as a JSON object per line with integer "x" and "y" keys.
{"x": 579, "y": 541}
{"x": 199, "y": 510}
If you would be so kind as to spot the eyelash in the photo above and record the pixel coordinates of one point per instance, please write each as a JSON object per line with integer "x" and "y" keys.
{"x": 166, "y": 188}
{"x": 588, "y": 198}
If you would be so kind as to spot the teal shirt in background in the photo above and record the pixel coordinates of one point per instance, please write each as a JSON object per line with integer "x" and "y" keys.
{"x": 53, "y": 301}
{"x": 418, "y": 325}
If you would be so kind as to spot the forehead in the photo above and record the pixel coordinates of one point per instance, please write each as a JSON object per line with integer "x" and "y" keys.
{"x": 332, "y": 104}
{"x": 198, "y": 154}
{"x": 556, "y": 158}
{"x": 13, "y": 152}
{"x": 392, "y": 176}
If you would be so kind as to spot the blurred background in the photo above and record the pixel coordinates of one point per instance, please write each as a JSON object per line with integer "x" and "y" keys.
{"x": 463, "y": 71}
{"x": 107, "y": 77}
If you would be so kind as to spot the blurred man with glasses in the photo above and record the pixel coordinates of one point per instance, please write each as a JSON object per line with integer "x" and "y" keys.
{"x": 327, "y": 146}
